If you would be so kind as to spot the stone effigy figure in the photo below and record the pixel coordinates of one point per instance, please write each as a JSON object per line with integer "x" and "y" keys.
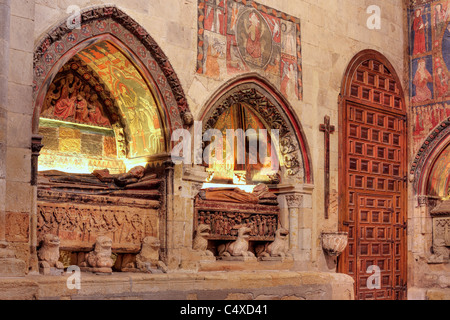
{"x": 99, "y": 260}
{"x": 238, "y": 248}
{"x": 49, "y": 255}
{"x": 278, "y": 248}
{"x": 148, "y": 259}
{"x": 200, "y": 242}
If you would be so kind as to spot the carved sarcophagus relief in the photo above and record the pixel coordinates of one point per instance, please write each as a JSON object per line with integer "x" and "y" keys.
{"x": 225, "y": 219}
{"x": 441, "y": 233}
{"x": 79, "y": 209}
{"x": 226, "y": 211}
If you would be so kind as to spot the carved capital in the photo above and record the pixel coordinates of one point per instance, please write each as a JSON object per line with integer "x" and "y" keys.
{"x": 423, "y": 201}
{"x": 36, "y": 145}
{"x": 294, "y": 201}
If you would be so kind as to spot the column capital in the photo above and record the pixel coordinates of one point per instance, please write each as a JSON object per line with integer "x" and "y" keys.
{"x": 294, "y": 200}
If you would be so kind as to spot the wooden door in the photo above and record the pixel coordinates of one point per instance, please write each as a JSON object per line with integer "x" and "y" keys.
{"x": 373, "y": 180}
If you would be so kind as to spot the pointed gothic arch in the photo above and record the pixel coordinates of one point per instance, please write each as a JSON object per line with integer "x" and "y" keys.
{"x": 427, "y": 156}
{"x": 109, "y": 23}
{"x": 273, "y": 110}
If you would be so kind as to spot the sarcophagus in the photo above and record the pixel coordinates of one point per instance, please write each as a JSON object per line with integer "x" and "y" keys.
{"x": 226, "y": 217}
{"x": 79, "y": 212}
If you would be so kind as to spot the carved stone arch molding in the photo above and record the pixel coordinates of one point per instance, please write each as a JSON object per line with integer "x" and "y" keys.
{"x": 274, "y": 111}
{"x": 111, "y": 24}
{"x": 424, "y": 160}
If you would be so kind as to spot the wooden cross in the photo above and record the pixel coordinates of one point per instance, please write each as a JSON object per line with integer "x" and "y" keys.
{"x": 327, "y": 129}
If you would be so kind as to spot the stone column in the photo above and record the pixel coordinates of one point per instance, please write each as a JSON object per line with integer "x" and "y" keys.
{"x": 294, "y": 202}
{"x": 4, "y": 71}
{"x": 9, "y": 265}
{"x": 36, "y": 147}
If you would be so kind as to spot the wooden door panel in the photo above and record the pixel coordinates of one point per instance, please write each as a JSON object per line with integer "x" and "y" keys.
{"x": 372, "y": 176}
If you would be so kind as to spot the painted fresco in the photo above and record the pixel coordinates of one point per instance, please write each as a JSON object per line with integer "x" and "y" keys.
{"x": 241, "y": 116}
{"x": 135, "y": 100}
{"x": 439, "y": 180}
{"x": 430, "y": 66}
{"x": 72, "y": 99}
{"x": 238, "y": 36}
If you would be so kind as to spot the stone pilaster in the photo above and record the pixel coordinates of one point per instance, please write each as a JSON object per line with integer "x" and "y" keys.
{"x": 9, "y": 265}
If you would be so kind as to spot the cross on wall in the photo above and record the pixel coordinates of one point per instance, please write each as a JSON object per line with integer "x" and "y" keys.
{"x": 328, "y": 129}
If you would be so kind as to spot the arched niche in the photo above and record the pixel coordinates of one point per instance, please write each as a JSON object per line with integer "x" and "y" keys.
{"x": 110, "y": 24}
{"x": 129, "y": 206}
{"x": 260, "y": 99}
{"x": 429, "y": 169}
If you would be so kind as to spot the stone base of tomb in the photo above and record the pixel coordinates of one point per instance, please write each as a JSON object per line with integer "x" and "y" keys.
{"x": 97, "y": 270}
{"x": 244, "y": 285}
{"x": 51, "y": 271}
{"x": 239, "y": 259}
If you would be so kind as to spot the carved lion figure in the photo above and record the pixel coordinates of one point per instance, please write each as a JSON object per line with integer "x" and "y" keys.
{"x": 101, "y": 256}
{"x": 148, "y": 258}
{"x": 238, "y": 247}
{"x": 200, "y": 242}
{"x": 49, "y": 252}
{"x": 278, "y": 248}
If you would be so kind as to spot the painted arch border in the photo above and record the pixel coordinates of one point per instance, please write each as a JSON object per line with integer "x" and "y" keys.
{"x": 111, "y": 23}
{"x": 427, "y": 155}
{"x": 252, "y": 86}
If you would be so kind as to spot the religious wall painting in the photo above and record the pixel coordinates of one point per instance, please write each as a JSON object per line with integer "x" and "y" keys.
{"x": 110, "y": 24}
{"x": 72, "y": 99}
{"x": 135, "y": 100}
{"x": 426, "y": 118}
{"x": 440, "y": 14}
{"x": 215, "y": 59}
{"x": 215, "y": 16}
{"x": 256, "y": 37}
{"x": 439, "y": 178}
{"x": 421, "y": 35}
{"x": 422, "y": 82}
{"x": 430, "y": 72}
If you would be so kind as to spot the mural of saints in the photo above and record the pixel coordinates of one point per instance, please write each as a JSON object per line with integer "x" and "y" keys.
{"x": 421, "y": 80}
{"x": 254, "y": 39}
{"x": 420, "y": 36}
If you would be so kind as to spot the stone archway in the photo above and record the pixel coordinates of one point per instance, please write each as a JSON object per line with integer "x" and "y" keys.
{"x": 276, "y": 113}
{"x": 61, "y": 44}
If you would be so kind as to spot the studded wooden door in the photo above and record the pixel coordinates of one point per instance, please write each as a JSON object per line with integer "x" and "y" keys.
{"x": 373, "y": 180}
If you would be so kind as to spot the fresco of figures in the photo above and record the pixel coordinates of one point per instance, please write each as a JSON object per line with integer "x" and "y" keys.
{"x": 238, "y": 36}
{"x": 430, "y": 67}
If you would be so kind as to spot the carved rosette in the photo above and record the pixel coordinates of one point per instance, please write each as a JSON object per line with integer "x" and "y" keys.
{"x": 334, "y": 243}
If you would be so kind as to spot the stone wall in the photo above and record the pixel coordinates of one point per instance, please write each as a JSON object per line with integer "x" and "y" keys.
{"x": 332, "y": 33}
{"x": 429, "y": 112}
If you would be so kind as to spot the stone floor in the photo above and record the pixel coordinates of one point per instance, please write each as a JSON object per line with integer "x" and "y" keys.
{"x": 239, "y": 285}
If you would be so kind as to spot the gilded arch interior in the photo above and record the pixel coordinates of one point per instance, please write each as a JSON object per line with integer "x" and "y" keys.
{"x": 273, "y": 113}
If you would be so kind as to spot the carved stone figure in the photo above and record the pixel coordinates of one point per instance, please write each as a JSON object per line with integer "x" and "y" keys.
{"x": 238, "y": 247}
{"x": 49, "y": 256}
{"x": 100, "y": 260}
{"x": 278, "y": 248}
{"x": 200, "y": 241}
{"x": 148, "y": 259}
